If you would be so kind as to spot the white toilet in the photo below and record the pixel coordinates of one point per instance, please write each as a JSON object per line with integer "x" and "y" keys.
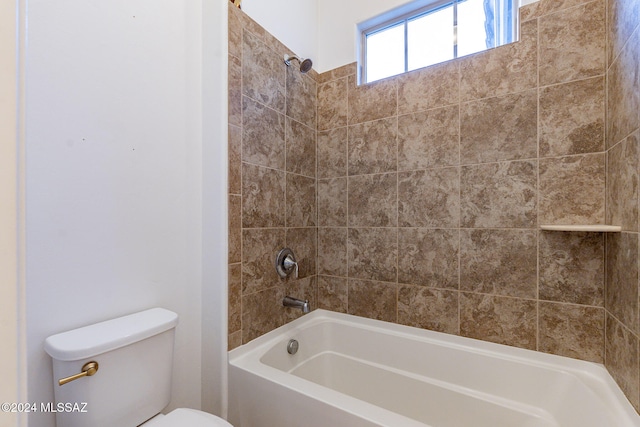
{"x": 132, "y": 383}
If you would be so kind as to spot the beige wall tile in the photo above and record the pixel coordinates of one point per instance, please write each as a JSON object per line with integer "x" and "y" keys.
{"x": 373, "y": 147}
{"x": 277, "y": 48}
{"x": 499, "y": 262}
{"x": 623, "y": 20}
{"x": 235, "y": 91}
{"x": 571, "y": 267}
{"x": 429, "y": 139}
{"x": 372, "y": 101}
{"x": 262, "y": 312}
{"x": 509, "y": 321}
{"x": 257, "y": 134}
{"x": 623, "y": 92}
{"x": 332, "y": 251}
{"x": 301, "y": 201}
{"x": 262, "y": 135}
{"x": 259, "y": 249}
{"x": 235, "y": 298}
{"x": 499, "y": 195}
{"x": 529, "y": 11}
{"x": 572, "y": 189}
{"x": 430, "y": 87}
{"x": 235, "y": 32}
{"x": 623, "y": 118}
{"x": 376, "y": 300}
{"x": 332, "y": 153}
{"x": 300, "y": 95}
{"x": 332, "y": 104}
{"x": 304, "y": 289}
{"x": 622, "y": 358}
{"x": 235, "y": 229}
{"x": 572, "y": 330}
{"x": 428, "y": 257}
{"x": 434, "y": 309}
{"x": 313, "y": 74}
{"x": 373, "y": 253}
{"x": 622, "y": 278}
{"x": 338, "y": 73}
{"x": 263, "y": 192}
{"x": 332, "y": 202}
{"x": 234, "y": 340}
{"x": 304, "y": 244}
{"x": 622, "y": 183}
{"x": 572, "y": 44}
{"x": 513, "y": 136}
{"x": 235, "y": 160}
{"x": 429, "y": 198}
{"x": 505, "y": 69}
{"x": 572, "y": 118}
{"x": 300, "y": 148}
{"x": 263, "y": 73}
{"x": 332, "y": 293}
{"x": 546, "y": 7}
{"x": 252, "y": 26}
{"x": 373, "y": 200}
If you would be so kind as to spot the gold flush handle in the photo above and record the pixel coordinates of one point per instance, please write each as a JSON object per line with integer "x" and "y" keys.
{"x": 88, "y": 369}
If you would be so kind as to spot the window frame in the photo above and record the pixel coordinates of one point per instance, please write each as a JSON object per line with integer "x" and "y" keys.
{"x": 414, "y": 10}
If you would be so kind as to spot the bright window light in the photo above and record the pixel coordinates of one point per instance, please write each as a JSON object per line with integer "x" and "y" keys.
{"x": 428, "y": 32}
{"x": 437, "y": 27}
{"x": 473, "y": 34}
{"x": 385, "y": 52}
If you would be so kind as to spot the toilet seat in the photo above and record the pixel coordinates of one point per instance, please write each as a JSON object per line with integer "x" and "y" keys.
{"x": 182, "y": 417}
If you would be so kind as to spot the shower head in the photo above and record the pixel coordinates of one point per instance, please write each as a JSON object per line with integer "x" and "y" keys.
{"x": 305, "y": 64}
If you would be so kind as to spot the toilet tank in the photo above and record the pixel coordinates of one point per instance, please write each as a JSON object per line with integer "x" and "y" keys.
{"x": 133, "y": 381}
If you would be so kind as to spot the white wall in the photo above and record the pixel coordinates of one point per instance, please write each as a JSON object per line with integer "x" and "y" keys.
{"x": 324, "y": 30}
{"x": 214, "y": 230}
{"x": 114, "y": 175}
{"x": 337, "y": 34}
{"x": 294, "y": 23}
{"x": 9, "y": 157}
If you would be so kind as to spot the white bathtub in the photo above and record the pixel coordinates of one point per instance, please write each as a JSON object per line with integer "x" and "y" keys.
{"x": 352, "y": 372}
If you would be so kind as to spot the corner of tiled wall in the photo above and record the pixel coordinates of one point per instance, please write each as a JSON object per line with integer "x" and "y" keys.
{"x": 272, "y": 179}
{"x": 622, "y": 356}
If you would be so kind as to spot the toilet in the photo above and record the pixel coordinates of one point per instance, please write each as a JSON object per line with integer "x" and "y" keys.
{"x": 132, "y": 382}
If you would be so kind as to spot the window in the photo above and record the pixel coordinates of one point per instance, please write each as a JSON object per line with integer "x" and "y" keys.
{"x": 403, "y": 40}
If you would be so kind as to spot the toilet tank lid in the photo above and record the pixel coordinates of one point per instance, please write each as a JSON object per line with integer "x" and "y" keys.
{"x": 99, "y": 338}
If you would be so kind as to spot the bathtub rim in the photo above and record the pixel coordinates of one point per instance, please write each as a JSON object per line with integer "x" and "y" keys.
{"x": 248, "y": 357}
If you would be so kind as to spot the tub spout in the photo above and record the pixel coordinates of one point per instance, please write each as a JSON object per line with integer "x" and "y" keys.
{"x": 296, "y": 303}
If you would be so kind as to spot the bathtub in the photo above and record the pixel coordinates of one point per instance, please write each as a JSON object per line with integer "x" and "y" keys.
{"x": 352, "y": 372}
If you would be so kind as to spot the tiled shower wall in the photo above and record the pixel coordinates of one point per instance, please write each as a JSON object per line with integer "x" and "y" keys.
{"x": 272, "y": 179}
{"x": 623, "y": 134}
{"x": 432, "y": 186}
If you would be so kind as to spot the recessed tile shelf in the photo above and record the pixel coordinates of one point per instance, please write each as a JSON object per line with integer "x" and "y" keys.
{"x": 594, "y": 228}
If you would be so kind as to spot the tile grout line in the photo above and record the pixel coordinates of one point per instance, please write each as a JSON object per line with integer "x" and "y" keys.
{"x": 538, "y": 233}
{"x": 346, "y": 158}
{"x": 397, "y": 209}
{"x": 459, "y": 101}
{"x": 242, "y": 308}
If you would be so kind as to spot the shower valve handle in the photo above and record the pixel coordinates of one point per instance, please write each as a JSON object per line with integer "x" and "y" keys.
{"x": 286, "y": 263}
{"x": 289, "y": 263}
